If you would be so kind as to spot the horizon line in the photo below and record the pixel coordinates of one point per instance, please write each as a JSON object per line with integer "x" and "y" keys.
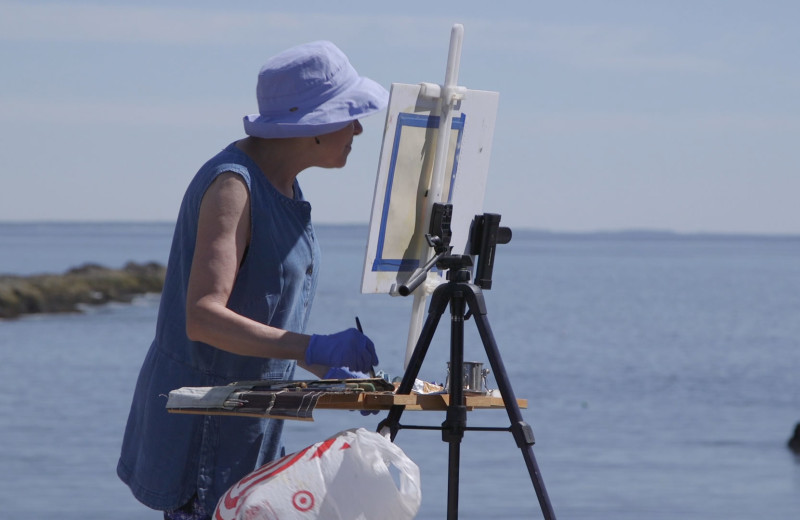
{"x": 631, "y": 231}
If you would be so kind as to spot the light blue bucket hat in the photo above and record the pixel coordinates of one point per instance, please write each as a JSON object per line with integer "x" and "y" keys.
{"x": 310, "y": 90}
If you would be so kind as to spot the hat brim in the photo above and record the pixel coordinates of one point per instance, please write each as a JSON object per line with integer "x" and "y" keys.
{"x": 363, "y": 98}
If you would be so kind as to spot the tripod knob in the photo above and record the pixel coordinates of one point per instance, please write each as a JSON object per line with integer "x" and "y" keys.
{"x": 459, "y": 275}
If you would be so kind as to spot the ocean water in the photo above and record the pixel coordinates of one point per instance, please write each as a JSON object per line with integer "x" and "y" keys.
{"x": 662, "y": 374}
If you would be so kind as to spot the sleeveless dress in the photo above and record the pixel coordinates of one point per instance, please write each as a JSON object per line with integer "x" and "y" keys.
{"x": 168, "y": 458}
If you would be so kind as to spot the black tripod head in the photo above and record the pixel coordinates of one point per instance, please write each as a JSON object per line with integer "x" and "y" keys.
{"x": 485, "y": 233}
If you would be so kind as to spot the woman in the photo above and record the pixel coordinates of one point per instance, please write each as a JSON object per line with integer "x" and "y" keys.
{"x": 240, "y": 282}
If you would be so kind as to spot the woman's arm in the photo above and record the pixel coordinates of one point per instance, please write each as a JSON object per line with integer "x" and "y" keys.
{"x": 223, "y": 234}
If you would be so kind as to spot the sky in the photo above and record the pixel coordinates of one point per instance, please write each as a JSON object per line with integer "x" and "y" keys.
{"x": 678, "y": 115}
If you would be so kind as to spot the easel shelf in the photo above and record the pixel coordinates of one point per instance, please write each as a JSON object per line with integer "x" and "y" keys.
{"x": 356, "y": 401}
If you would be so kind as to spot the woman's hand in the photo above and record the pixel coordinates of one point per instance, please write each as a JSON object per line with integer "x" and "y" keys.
{"x": 348, "y": 348}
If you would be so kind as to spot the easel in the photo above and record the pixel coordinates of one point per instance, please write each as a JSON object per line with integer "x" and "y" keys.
{"x": 465, "y": 299}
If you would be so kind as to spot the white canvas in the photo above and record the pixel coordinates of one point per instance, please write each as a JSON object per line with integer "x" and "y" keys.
{"x": 396, "y": 242}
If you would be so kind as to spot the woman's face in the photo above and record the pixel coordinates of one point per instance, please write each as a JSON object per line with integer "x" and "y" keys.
{"x": 335, "y": 146}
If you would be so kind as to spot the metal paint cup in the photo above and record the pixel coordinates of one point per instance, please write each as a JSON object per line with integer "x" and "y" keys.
{"x": 473, "y": 377}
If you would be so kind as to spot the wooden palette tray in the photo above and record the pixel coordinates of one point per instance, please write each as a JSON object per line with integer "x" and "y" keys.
{"x": 297, "y": 399}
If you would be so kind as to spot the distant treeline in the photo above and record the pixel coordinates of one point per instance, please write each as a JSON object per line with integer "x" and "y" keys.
{"x": 89, "y": 284}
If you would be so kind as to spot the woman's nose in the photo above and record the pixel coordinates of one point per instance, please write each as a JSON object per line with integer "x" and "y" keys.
{"x": 357, "y": 128}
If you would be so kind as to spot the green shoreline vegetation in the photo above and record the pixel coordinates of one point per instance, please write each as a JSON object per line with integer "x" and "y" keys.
{"x": 88, "y": 284}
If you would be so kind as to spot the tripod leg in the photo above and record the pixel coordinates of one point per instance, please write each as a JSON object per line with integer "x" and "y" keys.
{"x": 456, "y": 420}
{"x": 438, "y": 305}
{"x": 522, "y": 432}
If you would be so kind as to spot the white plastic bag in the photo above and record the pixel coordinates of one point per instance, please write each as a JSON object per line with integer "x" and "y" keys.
{"x": 354, "y": 475}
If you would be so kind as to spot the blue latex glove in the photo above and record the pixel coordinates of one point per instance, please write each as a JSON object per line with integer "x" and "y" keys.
{"x": 343, "y": 373}
{"x": 349, "y": 348}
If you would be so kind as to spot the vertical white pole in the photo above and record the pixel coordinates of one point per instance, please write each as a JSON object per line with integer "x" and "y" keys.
{"x": 443, "y": 109}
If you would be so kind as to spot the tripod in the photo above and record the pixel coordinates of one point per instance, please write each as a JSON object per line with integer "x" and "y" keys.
{"x": 462, "y": 296}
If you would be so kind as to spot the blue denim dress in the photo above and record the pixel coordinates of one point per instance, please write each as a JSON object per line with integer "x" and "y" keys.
{"x": 167, "y": 458}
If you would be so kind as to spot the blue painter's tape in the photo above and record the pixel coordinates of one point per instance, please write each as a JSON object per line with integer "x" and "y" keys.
{"x": 415, "y": 121}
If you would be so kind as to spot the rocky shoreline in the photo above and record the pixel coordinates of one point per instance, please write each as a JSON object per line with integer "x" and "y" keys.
{"x": 89, "y": 284}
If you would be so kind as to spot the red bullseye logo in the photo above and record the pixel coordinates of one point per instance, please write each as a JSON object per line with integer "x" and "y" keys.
{"x": 303, "y": 501}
